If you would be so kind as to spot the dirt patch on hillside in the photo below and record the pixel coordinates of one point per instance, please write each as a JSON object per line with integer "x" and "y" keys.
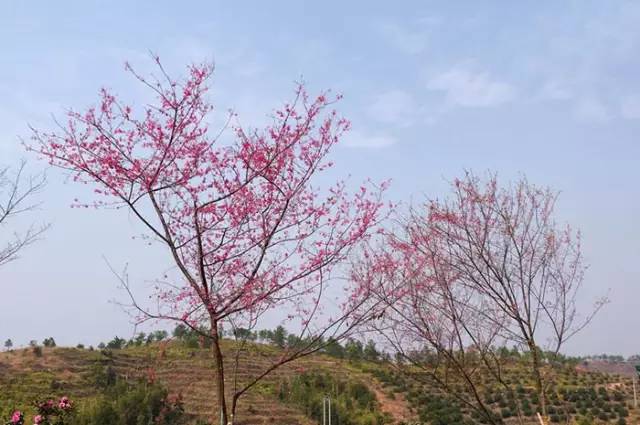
{"x": 397, "y": 406}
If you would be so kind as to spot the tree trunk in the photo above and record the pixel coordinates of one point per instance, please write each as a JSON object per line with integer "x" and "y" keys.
{"x": 234, "y": 405}
{"x": 538, "y": 380}
{"x": 219, "y": 364}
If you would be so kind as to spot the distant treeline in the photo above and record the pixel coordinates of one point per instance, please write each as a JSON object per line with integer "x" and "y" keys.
{"x": 612, "y": 358}
{"x": 350, "y": 349}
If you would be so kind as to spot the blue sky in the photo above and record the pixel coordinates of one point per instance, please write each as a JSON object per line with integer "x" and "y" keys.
{"x": 551, "y": 90}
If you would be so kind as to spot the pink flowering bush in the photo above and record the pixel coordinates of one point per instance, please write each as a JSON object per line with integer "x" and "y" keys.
{"x": 17, "y": 418}
{"x": 49, "y": 412}
{"x": 54, "y": 413}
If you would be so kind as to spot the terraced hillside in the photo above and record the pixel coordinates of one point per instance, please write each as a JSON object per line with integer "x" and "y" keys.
{"x": 576, "y": 396}
{"x": 25, "y": 377}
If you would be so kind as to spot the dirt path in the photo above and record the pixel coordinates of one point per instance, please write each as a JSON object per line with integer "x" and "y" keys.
{"x": 397, "y": 407}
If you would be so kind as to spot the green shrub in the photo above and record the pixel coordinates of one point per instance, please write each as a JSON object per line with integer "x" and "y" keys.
{"x": 137, "y": 403}
{"x": 352, "y": 402}
{"x": 585, "y": 420}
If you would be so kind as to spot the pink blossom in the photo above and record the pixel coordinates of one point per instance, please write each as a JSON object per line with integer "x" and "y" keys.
{"x": 64, "y": 403}
{"x": 258, "y": 188}
{"x": 16, "y": 418}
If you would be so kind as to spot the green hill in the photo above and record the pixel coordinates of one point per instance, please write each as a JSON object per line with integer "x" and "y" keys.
{"x": 363, "y": 393}
{"x": 25, "y": 377}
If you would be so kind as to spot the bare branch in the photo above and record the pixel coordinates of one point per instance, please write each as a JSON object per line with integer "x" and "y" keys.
{"x": 17, "y": 193}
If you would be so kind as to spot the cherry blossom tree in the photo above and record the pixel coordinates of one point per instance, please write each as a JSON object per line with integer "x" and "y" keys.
{"x": 240, "y": 215}
{"x": 460, "y": 277}
{"x": 17, "y": 191}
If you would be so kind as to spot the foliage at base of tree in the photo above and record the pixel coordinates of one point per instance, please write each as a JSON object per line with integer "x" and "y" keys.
{"x": 352, "y": 403}
{"x": 123, "y": 402}
{"x": 119, "y": 402}
{"x": 138, "y": 403}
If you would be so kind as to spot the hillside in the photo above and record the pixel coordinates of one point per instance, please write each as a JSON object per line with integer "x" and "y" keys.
{"x": 393, "y": 398}
{"x": 25, "y": 377}
{"x": 575, "y": 396}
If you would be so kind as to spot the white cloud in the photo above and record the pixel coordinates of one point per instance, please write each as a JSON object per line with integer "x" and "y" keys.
{"x": 26, "y": 108}
{"x": 472, "y": 89}
{"x": 592, "y": 110}
{"x": 410, "y": 42}
{"x": 630, "y": 108}
{"x": 589, "y": 60}
{"x": 355, "y": 138}
{"x": 394, "y": 107}
{"x": 554, "y": 90}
